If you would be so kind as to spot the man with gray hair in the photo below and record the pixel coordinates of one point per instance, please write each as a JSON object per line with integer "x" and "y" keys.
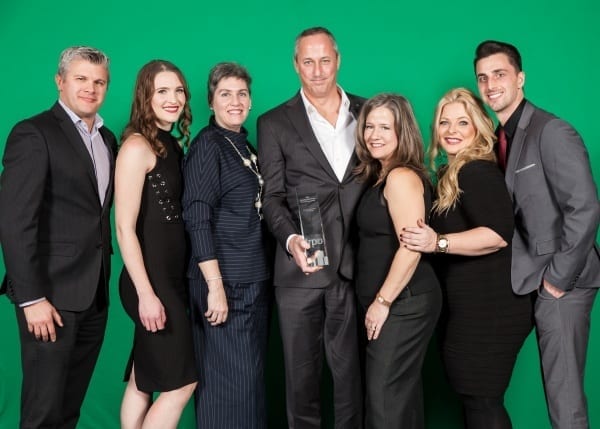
{"x": 55, "y": 196}
{"x": 306, "y": 146}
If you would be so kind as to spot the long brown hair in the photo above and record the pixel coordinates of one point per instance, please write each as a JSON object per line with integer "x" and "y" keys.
{"x": 409, "y": 153}
{"x": 482, "y": 147}
{"x": 143, "y": 119}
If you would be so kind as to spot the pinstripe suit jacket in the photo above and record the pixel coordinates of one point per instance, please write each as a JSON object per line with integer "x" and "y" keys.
{"x": 55, "y": 235}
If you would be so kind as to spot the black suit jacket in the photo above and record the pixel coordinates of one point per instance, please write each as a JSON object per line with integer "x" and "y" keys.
{"x": 292, "y": 160}
{"x": 54, "y": 232}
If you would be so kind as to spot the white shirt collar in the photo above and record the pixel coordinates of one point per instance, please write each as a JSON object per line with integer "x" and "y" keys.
{"x": 310, "y": 108}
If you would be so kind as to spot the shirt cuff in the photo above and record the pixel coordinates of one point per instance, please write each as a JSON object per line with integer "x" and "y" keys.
{"x": 287, "y": 242}
{"x": 28, "y": 303}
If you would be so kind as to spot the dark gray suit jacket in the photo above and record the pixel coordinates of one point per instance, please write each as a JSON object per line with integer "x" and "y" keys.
{"x": 55, "y": 235}
{"x": 291, "y": 160}
{"x": 555, "y": 203}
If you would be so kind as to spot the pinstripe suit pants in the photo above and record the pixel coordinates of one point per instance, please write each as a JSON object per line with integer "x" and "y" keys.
{"x": 231, "y": 357}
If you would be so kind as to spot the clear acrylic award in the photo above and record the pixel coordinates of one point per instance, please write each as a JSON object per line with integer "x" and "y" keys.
{"x": 311, "y": 227}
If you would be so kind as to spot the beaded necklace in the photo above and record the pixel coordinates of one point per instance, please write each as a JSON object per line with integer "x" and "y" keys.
{"x": 253, "y": 167}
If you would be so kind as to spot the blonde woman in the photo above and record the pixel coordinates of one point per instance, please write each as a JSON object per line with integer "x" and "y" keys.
{"x": 483, "y": 324}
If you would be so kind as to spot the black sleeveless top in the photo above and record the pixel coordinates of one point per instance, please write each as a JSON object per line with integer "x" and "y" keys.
{"x": 378, "y": 243}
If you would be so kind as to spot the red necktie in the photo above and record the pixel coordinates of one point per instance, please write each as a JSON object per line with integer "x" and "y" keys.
{"x": 502, "y": 146}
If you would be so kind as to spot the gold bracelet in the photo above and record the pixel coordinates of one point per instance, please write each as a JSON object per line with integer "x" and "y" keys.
{"x": 213, "y": 278}
{"x": 383, "y": 301}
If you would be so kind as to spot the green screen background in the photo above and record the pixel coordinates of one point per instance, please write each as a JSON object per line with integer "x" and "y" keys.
{"x": 419, "y": 49}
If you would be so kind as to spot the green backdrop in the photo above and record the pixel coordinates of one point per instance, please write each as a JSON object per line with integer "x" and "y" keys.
{"x": 419, "y": 49}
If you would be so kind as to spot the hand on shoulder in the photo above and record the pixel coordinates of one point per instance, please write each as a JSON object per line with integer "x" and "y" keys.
{"x": 404, "y": 193}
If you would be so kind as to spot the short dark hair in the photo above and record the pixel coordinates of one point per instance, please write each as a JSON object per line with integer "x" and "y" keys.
{"x": 491, "y": 47}
{"x": 311, "y": 32}
{"x": 222, "y": 71}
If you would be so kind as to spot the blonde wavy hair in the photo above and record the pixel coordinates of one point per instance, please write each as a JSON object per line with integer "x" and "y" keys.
{"x": 482, "y": 147}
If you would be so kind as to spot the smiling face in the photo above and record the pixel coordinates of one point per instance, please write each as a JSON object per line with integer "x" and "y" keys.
{"x": 455, "y": 129}
{"x": 500, "y": 85}
{"x": 317, "y": 64}
{"x": 380, "y": 135}
{"x": 231, "y": 103}
{"x": 82, "y": 88}
{"x": 168, "y": 99}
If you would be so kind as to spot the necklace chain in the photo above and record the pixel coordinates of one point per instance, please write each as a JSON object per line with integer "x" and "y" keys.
{"x": 253, "y": 167}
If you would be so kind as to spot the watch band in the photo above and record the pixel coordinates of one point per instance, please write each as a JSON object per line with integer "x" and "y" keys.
{"x": 383, "y": 301}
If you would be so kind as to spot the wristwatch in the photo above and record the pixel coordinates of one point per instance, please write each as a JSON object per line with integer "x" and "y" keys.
{"x": 383, "y": 301}
{"x": 442, "y": 244}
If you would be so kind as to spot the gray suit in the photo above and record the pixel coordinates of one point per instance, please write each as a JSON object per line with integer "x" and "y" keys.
{"x": 556, "y": 217}
{"x": 316, "y": 312}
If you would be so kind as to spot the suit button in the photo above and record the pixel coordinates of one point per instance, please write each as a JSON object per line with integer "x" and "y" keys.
{"x": 99, "y": 246}
{"x": 338, "y": 218}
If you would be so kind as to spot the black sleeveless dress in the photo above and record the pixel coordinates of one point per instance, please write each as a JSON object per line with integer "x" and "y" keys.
{"x": 163, "y": 360}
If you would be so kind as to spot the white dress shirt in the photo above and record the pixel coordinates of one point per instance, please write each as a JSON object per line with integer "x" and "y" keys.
{"x": 337, "y": 142}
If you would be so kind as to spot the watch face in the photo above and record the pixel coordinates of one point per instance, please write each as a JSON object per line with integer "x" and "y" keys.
{"x": 443, "y": 243}
{"x": 382, "y": 300}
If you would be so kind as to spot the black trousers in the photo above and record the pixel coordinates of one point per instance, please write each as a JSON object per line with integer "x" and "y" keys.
{"x": 394, "y": 397}
{"x": 313, "y": 321}
{"x": 56, "y": 375}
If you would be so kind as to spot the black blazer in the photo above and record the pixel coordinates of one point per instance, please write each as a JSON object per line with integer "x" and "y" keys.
{"x": 291, "y": 160}
{"x": 55, "y": 235}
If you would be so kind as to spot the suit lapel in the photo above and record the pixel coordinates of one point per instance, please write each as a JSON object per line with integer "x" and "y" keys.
{"x": 74, "y": 139}
{"x": 355, "y": 105}
{"x": 517, "y": 145}
{"x": 351, "y": 165}
{"x": 108, "y": 142}
{"x": 296, "y": 113}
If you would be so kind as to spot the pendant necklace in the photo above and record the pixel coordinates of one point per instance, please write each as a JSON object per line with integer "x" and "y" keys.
{"x": 253, "y": 167}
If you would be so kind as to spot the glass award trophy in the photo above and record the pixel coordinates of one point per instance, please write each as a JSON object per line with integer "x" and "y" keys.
{"x": 311, "y": 227}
